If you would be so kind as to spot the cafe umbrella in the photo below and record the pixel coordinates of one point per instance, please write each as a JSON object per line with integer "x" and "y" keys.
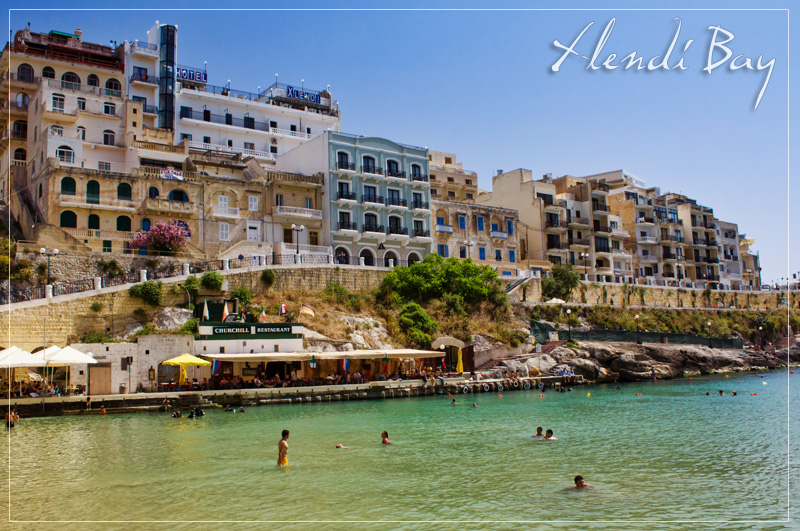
{"x": 66, "y": 356}
{"x": 14, "y": 357}
{"x": 185, "y": 360}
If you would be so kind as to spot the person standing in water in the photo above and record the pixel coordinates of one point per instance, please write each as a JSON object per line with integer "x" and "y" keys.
{"x": 385, "y": 437}
{"x": 548, "y": 436}
{"x": 538, "y": 432}
{"x": 283, "y": 449}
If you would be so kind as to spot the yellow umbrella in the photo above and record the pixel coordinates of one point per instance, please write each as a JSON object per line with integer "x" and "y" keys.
{"x": 186, "y": 359}
{"x": 459, "y": 365}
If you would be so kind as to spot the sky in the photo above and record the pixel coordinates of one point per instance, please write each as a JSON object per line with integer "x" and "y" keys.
{"x": 481, "y": 84}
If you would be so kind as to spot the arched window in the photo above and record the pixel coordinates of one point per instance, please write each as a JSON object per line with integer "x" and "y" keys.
{"x": 370, "y": 222}
{"x": 93, "y": 80}
{"x": 145, "y": 224}
{"x": 70, "y": 80}
{"x": 81, "y": 132}
{"x": 113, "y": 84}
{"x": 342, "y": 160}
{"x": 392, "y": 168}
{"x": 93, "y": 192}
{"x": 368, "y": 164}
{"x": 124, "y": 223}
{"x": 369, "y": 258}
{"x": 25, "y": 73}
{"x": 94, "y": 221}
{"x": 416, "y": 170}
{"x": 185, "y": 227}
{"x": 23, "y": 100}
{"x": 48, "y": 72}
{"x": 152, "y": 193}
{"x": 20, "y": 129}
{"x": 65, "y": 154}
{"x": 68, "y": 186}
{"x": 20, "y": 154}
{"x": 178, "y": 195}
{"x": 68, "y": 220}
{"x": 108, "y": 137}
{"x": 124, "y": 191}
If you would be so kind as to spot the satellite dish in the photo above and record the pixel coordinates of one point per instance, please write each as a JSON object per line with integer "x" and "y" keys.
{"x": 241, "y": 257}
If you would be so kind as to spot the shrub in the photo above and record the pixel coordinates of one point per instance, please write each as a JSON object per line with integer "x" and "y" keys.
{"x": 413, "y": 317}
{"x": 162, "y": 237}
{"x": 96, "y": 337}
{"x": 335, "y": 292}
{"x": 97, "y": 306}
{"x": 244, "y": 295}
{"x": 561, "y": 284}
{"x": 146, "y": 330}
{"x": 110, "y": 268}
{"x": 192, "y": 283}
{"x": 150, "y": 292}
{"x": 212, "y": 280}
{"x": 189, "y": 327}
{"x": 268, "y": 278}
{"x": 419, "y": 339}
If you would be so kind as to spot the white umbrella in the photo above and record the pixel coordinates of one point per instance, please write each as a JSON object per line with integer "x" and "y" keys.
{"x": 66, "y": 356}
{"x": 16, "y": 357}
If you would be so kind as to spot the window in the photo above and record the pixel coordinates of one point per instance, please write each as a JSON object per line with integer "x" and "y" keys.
{"x": 470, "y": 196}
{"x": 58, "y": 103}
{"x": 434, "y": 192}
{"x": 93, "y": 80}
{"x": 104, "y": 166}
{"x": 185, "y": 227}
{"x": 468, "y": 181}
{"x": 35, "y": 132}
{"x": 152, "y": 193}
{"x": 70, "y": 80}
{"x": 512, "y": 256}
{"x": 68, "y": 186}
{"x": 440, "y": 220}
{"x": 273, "y": 150}
{"x": 93, "y": 192}
{"x": 278, "y": 199}
{"x": 510, "y": 227}
{"x": 81, "y": 104}
{"x": 25, "y": 73}
{"x": 451, "y": 194}
{"x": 145, "y": 224}
{"x": 48, "y": 72}
{"x": 248, "y": 145}
{"x": 368, "y": 165}
{"x": 252, "y": 203}
{"x": 112, "y": 85}
{"x": 495, "y": 228}
{"x": 109, "y": 108}
{"x": 419, "y": 228}
{"x": 68, "y": 220}
{"x": 480, "y": 224}
{"x": 20, "y": 154}
{"x": 224, "y": 232}
{"x": 462, "y": 252}
{"x": 392, "y": 168}
{"x": 293, "y": 128}
{"x": 498, "y": 255}
{"x": 370, "y": 221}
{"x": 178, "y": 195}
{"x": 482, "y": 253}
{"x": 462, "y": 222}
{"x": 448, "y": 160}
{"x": 309, "y": 203}
{"x": 108, "y": 138}
{"x": 82, "y": 132}
{"x": 344, "y": 219}
{"x": 124, "y": 191}
{"x": 443, "y": 250}
{"x": 40, "y": 190}
{"x": 65, "y": 154}
{"x": 56, "y": 130}
{"x": 206, "y": 140}
{"x": 94, "y": 222}
{"x": 416, "y": 170}
{"x": 186, "y": 136}
{"x": 106, "y": 246}
{"x": 273, "y": 124}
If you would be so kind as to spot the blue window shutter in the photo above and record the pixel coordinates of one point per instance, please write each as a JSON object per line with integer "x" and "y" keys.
{"x": 439, "y": 221}
{"x": 446, "y": 251}
{"x": 462, "y": 222}
{"x": 494, "y": 227}
{"x": 511, "y": 255}
{"x": 480, "y": 223}
{"x": 510, "y": 225}
{"x": 482, "y": 252}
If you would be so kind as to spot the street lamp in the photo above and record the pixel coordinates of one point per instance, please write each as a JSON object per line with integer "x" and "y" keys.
{"x": 569, "y": 325}
{"x": 584, "y": 257}
{"x": 48, "y": 254}
{"x": 297, "y": 230}
{"x": 760, "y": 338}
{"x": 638, "y": 341}
{"x": 468, "y": 244}
{"x": 708, "y": 330}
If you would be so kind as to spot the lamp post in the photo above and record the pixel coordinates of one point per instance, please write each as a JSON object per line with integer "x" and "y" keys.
{"x": 569, "y": 325}
{"x": 760, "y": 338}
{"x": 48, "y": 254}
{"x": 708, "y": 332}
{"x": 638, "y": 341}
{"x": 468, "y": 244}
{"x": 584, "y": 257}
{"x": 297, "y": 230}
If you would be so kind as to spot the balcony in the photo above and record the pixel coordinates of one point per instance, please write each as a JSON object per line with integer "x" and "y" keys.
{"x": 602, "y": 228}
{"x": 395, "y": 174}
{"x": 372, "y": 198}
{"x": 346, "y": 225}
{"x": 144, "y": 78}
{"x": 116, "y": 235}
{"x": 396, "y": 202}
{"x": 499, "y": 234}
{"x": 226, "y": 212}
{"x": 602, "y": 250}
{"x": 165, "y": 205}
{"x": 345, "y": 166}
{"x": 149, "y": 109}
{"x": 578, "y": 221}
{"x": 397, "y": 231}
{"x": 144, "y": 48}
{"x": 229, "y": 149}
{"x": 670, "y": 221}
{"x": 93, "y": 201}
{"x": 600, "y": 208}
{"x": 556, "y": 225}
{"x": 419, "y": 177}
{"x": 422, "y": 205}
{"x": 622, "y": 272}
{"x": 369, "y": 227}
{"x": 555, "y": 205}
{"x": 583, "y": 242}
{"x": 422, "y": 233}
{"x": 644, "y": 220}
{"x": 297, "y": 212}
{"x": 29, "y": 79}
{"x": 669, "y": 256}
{"x": 648, "y": 258}
{"x": 711, "y": 243}
{"x": 598, "y": 187}
{"x": 444, "y": 228}
{"x": 621, "y": 252}
{"x": 245, "y": 122}
{"x": 621, "y": 233}
{"x": 649, "y": 240}
{"x": 557, "y": 246}
{"x": 672, "y": 238}
{"x": 345, "y": 196}
{"x": 372, "y": 170}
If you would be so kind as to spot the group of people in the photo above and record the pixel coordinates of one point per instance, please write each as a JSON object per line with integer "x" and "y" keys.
{"x": 195, "y": 412}
{"x": 283, "y": 446}
{"x": 547, "y": 436}
{"x": 568, "y": 374}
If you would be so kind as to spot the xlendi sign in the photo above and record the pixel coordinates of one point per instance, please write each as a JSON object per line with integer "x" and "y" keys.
{"x": 298, "y": 94}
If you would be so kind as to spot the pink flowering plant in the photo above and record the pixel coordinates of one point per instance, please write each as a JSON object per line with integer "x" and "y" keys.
{"x": 162, "y": 237}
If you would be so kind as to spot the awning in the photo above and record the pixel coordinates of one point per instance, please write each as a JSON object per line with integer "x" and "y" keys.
{"x": 306, "y": 356}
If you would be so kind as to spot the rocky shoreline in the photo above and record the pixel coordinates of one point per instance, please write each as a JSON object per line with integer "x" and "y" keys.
{"x": 621, "y": 362}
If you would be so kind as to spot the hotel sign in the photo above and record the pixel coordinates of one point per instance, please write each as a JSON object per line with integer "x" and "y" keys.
{"x": 191, "y": 75}
{"x": 297, "y": 94}
{"x": 265, "y": 328}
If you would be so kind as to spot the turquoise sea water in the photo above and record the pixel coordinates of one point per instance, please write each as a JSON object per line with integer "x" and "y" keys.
{"x": 671, "y": 455}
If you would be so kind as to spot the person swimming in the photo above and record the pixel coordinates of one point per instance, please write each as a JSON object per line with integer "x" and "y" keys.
{"x": 548, "y": 436}
{"x": 342, "y": 447}
{"x": 580, "y": 484}
{"x": 453, "y": 403}
{"x": 539, "y": 432}
{"x": 474, "y": 404}
{"x": 283, "y": 449}
{"x": 385, "y": 437}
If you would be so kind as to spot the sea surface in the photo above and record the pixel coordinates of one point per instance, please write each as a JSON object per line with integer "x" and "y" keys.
{"x": 672, "y": 458}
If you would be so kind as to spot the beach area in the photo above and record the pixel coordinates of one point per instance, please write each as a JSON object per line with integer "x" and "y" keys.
{"x": 655, "y": 452}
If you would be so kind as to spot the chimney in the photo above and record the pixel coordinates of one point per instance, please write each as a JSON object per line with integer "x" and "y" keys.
{"x": 79, "y": 33}
{"x": 499, "y": 172}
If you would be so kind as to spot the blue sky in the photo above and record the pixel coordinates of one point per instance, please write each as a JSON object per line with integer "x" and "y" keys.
{"x": 479, "y": 83}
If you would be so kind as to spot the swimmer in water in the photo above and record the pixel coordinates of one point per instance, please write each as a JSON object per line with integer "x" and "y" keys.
{"x": 539, "y": 432}
{"x": 474, "y": 404}
{"x": 385, "y": 437}
{"x": 342, "y": 447}
{"x": 283, "y": 449}
{"x": 579, "y": 483}
{"x": 548, "y": 436}
{"x": 453, "y": 403}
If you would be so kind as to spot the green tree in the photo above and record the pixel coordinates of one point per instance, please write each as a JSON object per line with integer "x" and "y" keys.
{"x": 244, "y": 295}
{"x": 561, "y": 284}
{"x": 212, "y": 280}
{"x": 151, "y": 292}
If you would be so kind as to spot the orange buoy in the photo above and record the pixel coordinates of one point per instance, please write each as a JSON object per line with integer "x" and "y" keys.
{"x": 791, "y": 372}
{"x": 541, "y": 396}
{"x": 499, "y": 396}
